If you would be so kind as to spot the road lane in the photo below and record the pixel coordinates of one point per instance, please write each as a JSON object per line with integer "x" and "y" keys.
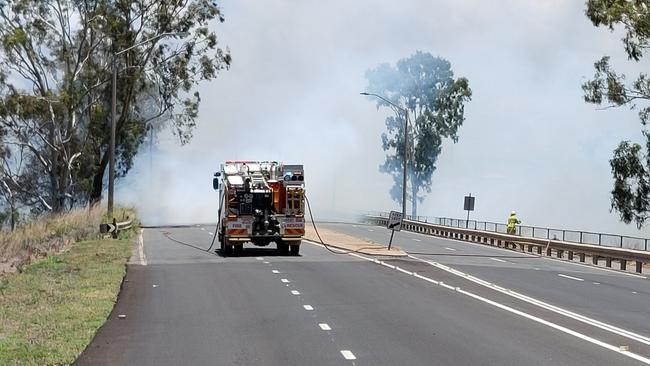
{"x": 617, "y": 298}
{"x": 209, "y": 310}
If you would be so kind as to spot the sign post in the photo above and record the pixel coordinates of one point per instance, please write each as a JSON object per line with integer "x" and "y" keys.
{"x": 469, "y": 206}
{"x": 394, "y": 224}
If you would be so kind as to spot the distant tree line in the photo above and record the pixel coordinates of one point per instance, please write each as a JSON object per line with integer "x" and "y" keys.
{"x": 55, "y": 91}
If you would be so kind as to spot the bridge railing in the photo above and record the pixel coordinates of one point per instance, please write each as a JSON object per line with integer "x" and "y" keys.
{"x": 539, "y": 243}
{"x": 572, "y": 236}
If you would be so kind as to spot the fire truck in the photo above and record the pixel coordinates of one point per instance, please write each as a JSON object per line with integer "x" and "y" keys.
{"x": 260, "y": 202}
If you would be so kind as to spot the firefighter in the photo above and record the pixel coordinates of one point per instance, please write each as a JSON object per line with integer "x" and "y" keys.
{"x": 512, "y": 223}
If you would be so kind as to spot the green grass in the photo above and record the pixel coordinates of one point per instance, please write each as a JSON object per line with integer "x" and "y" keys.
{"x": 51, "y": 311}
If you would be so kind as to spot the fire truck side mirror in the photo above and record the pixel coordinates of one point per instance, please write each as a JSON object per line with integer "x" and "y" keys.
{"x": 215, "y": 181}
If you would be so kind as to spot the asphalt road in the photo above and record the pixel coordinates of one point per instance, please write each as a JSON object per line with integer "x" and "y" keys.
{"x": 182, "y": 305}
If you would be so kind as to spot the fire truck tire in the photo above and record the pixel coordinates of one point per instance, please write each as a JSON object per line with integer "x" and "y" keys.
{"x": 226, "y": 249}
{"x": 294, "y": 249}
{"x": 283, "y": 248}
{"x": 238, "y": 250}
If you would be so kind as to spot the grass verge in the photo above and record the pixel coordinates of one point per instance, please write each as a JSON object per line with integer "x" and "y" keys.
{"x": 51, "y": 311}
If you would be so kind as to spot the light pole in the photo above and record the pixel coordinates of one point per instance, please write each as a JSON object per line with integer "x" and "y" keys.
{"x": 406, "y": 124}
{"x": 111, "y": 148}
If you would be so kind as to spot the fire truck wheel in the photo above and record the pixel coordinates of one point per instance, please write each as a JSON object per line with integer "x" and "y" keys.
{"x": 226, "y": 249}
{"x": 238, "y": 250}
{"x": 283, "y": 248}
{"x": 294, "y": 249}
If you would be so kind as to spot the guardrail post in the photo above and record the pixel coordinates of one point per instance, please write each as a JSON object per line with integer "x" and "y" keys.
{"x": 646, "y": 244}
{"x": 594, "y": 259}
{"x": 533, "y": 231}
{"x": 581, "y": 237}
{"x": 599, "y": 239}
{"x": 570, "y": 255}
{"x": 559, "y": 253}
{"x": 608, "y": 262}
{"x": 582, "y": 257}
{"x": 623, "y": 264}
{"x": 539, "y": 250}
{"x": 563, "y": 235}
{"x": 639, "y": 267}
{"x": 549, "y": 252}
{"x": 621, "y": 241}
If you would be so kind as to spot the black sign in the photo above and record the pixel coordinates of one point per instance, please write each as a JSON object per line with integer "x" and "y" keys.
{"x": 469, "y": 203}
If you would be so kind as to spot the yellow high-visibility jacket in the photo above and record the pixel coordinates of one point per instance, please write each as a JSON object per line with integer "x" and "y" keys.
{"x": 512, "y": 221}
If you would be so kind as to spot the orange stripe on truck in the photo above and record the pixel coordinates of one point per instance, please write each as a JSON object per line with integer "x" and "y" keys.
{"x": 237, "y": 231}
{"x": 294, "y": 231}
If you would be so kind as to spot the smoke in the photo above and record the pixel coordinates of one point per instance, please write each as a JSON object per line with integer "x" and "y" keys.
{"x": 529, "y": 142}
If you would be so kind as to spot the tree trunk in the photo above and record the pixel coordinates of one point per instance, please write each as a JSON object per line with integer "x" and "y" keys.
{"x": 98, "y": 180}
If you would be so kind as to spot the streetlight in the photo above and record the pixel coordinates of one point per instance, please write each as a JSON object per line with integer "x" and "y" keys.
{"x": 397, "y": 108}
{"x": 111, "y": 161}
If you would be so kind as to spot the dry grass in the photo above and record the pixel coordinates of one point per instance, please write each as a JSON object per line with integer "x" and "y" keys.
{"x": 51, "y": 234}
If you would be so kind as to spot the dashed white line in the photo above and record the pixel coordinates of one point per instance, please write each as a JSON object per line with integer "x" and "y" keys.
{"x": 634, "y": 292}
{"x": 295, "y": 292}
{"x": 210, "y": 233}
{"x": 275, "y": 271}
{"x": 324, "y": 326}
{"x": 498, "y": 260}
{"x": 265, "y": 262}
{"x": 203, "y": 228}
{"x": 371, "y": 230}
{"x": 452, "y": 249}
{"x": 570, "y": 277}
{"x": 348, "y": 355}
{"x": 416, "y": 239}
{"x": 308, "y": 307}
{"x": 284, "y": 280}
{"x": 259, "y": 258}
{"x": 596, "y": 283}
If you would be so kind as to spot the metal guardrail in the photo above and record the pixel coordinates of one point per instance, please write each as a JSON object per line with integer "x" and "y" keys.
{"x": 542, "y": 246}
{"x": 572, "y": 236}
{"x": 115, "y": 227}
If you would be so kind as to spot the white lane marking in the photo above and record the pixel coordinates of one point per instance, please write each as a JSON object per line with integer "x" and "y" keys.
{"x": 324, "y": 326}
{"x": 371, "y": 230}
{"x": 284, "y": 280}
{"x": 265, "y": 262}
{"x": 143, "y": 259}
{"x": 498, "y": 260}
{"x": 559, "y": 327}
{"x": 596, "y": 283}
{"x": 203, "y": 228}
{"x": 602, "y": 325}
{"x": 259, "y": 258}
{"x": 275, "y": 271}
{"x": 634, "y": 292}
{"x": 348, "y": 355}
{"x": 210, "y": 233}
{"x": 567, "y": 313}
{"x": 554, "y": 261}
{"x": 416, "y": 239}
{"x": 537, "y": 269}
{"x": 154, "y": 286}
{"x": 452, "y": 249}
{"x": 295, "y": 292}
{"x": 308, "y": 307}
{"x": 570, "y": 277}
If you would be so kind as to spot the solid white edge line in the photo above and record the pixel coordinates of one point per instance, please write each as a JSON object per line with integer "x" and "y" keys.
{"x": 416, "y": 239}
{"x": 324, "y": 326}
{"x": 558, "y": 327}
{"x": 553, "y": 260}
{"x": 602, "y": 325}
{"x": 498, "y": 260}
{"x": 348, "y": 355}
{"x": 143, "y": 259}
{"x": 570, "y": 277}
{"x": 452, "y": 249}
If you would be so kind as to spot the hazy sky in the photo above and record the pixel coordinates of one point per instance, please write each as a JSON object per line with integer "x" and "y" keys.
{"x": 529, "y": 142}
